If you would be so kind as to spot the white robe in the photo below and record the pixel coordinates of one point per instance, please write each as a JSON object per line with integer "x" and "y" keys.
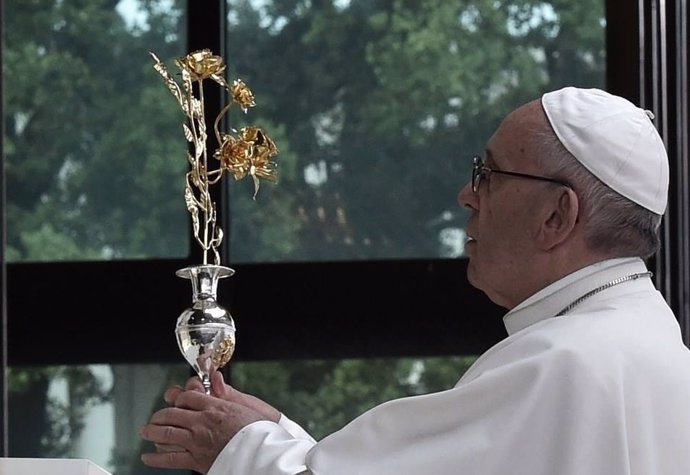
{"x": 602, "y": 390}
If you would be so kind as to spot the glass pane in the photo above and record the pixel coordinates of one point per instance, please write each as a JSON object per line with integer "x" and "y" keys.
{"x": 324, "y": 395}
{"x": 95, "y": 162}
{"x": 95, "y": 411}
{"x": 92, "y": 412}
{"x": 377, "y": 107}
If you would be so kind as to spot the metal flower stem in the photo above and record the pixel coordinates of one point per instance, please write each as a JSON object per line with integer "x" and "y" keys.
{"x": 204, "y": 181}
{"x": 204, "y": 202}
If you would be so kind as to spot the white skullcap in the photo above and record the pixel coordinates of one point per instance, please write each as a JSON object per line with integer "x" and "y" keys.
{"x": 613, "y": 139}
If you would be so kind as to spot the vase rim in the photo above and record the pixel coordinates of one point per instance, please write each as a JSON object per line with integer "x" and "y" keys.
{"x": 219, "y": 271}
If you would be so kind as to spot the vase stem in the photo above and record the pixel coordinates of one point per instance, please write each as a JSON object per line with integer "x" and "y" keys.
{"x": 206, "y": 381}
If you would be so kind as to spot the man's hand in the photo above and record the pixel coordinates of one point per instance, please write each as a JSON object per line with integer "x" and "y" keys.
{"x": 226, "y": 392}
{"x": 191, "y": 433}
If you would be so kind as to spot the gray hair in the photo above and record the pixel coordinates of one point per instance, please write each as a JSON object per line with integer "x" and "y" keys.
{"x": 613, "y": 224}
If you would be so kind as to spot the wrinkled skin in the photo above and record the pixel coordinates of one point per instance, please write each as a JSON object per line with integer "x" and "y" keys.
{"x": 194, "y": 429}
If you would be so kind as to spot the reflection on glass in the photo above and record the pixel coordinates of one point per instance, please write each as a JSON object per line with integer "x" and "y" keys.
{"x": 91, "y": 412}
{"x": 324, "y": 395}
{"x": 93, "y": 152}
{"x": 379, "y": 108}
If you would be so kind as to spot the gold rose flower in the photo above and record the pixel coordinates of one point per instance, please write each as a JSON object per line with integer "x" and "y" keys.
{"x": 249, "y": 153}
{"x": 234, "y": 155}
{"x": 201, "y": 64}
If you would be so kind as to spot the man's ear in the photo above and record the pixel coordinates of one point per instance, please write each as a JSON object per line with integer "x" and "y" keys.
{"x": 560, "y": 217}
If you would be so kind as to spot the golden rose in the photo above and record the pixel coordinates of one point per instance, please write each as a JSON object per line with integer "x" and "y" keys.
{"x": 259, "y": 138}
{"x": 251, "y": 154}
{"x": 242, "y": 94}
{"x": 234, "y": 156}
{"x": 201, "y": 64}
{"x": 263, "y": 150}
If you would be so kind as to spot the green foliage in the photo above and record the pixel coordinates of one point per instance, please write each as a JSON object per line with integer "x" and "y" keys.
{"x": 46, "y": 244}
{"x": 390, "y": 98}
{"x": 324, "y": 395}
{"x": 94, "y": 157}
{"x": 387, "y": 99}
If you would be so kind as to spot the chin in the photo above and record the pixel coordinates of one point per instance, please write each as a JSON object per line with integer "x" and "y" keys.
{"x": 472, "y": 276}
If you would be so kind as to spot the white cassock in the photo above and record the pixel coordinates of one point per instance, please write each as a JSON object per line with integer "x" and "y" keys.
{"x": 601, "y": 390}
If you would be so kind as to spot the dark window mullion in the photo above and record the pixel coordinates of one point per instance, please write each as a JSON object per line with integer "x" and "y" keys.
{"x": 206, "y": 30}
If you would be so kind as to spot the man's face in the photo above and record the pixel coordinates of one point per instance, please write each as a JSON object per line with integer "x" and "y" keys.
{"x": 502, "y": 225}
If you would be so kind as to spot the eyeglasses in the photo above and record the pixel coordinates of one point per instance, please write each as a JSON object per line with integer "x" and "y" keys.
{"x": 481, "y": 172}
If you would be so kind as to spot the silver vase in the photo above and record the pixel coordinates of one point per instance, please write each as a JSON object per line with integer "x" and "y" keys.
{"x": 205, "y": 331}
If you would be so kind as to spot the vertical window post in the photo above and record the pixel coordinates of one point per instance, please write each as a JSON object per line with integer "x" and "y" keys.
{"x": 3, "y": 277}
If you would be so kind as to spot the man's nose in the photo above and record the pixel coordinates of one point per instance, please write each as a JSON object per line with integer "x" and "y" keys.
{"x": 468, "y": 198}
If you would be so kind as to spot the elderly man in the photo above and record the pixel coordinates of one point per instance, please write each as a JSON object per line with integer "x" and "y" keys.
{"x": 593, "y": 378}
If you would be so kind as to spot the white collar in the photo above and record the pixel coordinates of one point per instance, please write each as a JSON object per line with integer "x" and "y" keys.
{"x": 553, "y": 298}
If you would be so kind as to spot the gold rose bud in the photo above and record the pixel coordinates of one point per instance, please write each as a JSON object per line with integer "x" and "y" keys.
{"x": 242, "y": 95}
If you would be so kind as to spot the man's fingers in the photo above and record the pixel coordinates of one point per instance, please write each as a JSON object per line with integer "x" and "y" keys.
{"x": 194, "y": 384}
{"x": 165, "y": 435}
{"x": 169, "y": 448}
{"x": 196, "y": 401}
{"x": 183, "y": 460}
{"x": 218, "y": 387}
{"x": 172, "y": 393}
{"x": 174, "y": 416}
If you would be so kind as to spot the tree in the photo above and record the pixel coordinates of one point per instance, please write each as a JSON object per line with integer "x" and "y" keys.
{"x": 324, "y": 395}
{"x": 386, "y": 101}
{"x": 83, "y": 183}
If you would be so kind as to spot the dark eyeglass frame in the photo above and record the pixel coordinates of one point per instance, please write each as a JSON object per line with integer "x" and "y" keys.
{"x": 481, "y": 171}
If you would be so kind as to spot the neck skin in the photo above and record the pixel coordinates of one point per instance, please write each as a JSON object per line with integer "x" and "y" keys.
{"x": 551, "y": 266}
{"x": 553, "y": 299}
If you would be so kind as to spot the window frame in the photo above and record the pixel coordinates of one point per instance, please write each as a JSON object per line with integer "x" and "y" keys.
{"x": 424, "y": 307}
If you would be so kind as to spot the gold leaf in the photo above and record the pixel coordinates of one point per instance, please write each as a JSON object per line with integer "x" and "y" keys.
{"x": 169, "y": 81}
{"x": 194, "y": 177}
{"x": 197, "y": 108}
{"x": 257, "y": 183}
{"x": 189, "y": 200}
{"x": 218, "y": 238}
{"x": 188, "y": 133}
{"x": 186, "y": 80}
{"x": 220, "y": 80}
{"x": 198, "y": 148}
{"x": 195, "y": 222}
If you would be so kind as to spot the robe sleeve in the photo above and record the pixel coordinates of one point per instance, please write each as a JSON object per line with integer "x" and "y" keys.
{"x": 294, "y": 429}
{"x": 265, "y": 448}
